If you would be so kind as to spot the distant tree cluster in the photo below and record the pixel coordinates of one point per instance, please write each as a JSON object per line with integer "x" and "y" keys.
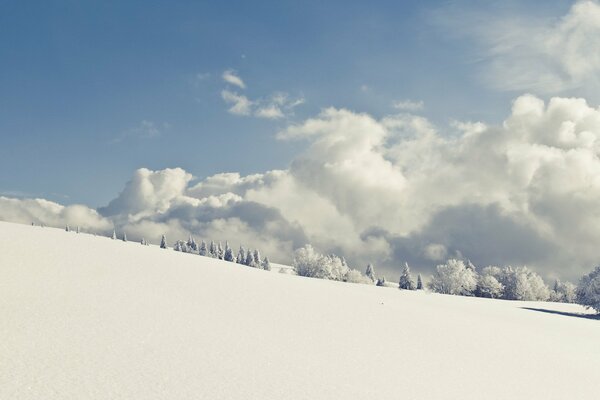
{"x": 251, "y": 258}
{"x": 309, "y": 262}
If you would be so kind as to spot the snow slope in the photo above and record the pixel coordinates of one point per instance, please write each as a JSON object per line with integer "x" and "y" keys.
{"x": 86, "y": 317}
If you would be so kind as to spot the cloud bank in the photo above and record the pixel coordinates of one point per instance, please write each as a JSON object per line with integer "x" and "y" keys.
{"x": 388, "y": 190}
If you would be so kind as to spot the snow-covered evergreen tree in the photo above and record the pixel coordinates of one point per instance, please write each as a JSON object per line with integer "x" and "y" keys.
{"x": 220, "y": 251}
{"x": 370, "y": 272}
{"x": 241, "y": 257}
{"x": 143, "y": 242}
{"x": 256, "y": 258}
{"x": 203, "y": 251}
{"x": 588, "y": 290}
{"x": 249, "y": 259}
{"x": 191, "y": 244}
{"x": 177, "y": 246}
{"x": 212, "y": 250}
{"x": 406, "y": 281}
{"x": 381, "y": 281}
{"x": 67, "y": 228}
{"x": 114, "y": 235}
{"x": 266, "y": 264}
{"x": 163, "y": 242}
{"x": 124, "y": 237}
{"x": 228, "y": 253}
{"x": 77, "y": 229}
{"x": 419, "y": 282}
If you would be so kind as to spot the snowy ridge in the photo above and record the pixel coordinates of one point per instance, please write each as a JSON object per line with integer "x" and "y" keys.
{"x": 87, "y": 317}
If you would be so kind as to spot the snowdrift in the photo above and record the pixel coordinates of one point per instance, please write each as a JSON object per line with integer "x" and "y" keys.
{"x": 87, "y": 317}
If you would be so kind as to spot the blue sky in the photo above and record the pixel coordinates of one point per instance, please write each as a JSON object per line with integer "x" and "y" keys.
{"x": 80, "y": 82}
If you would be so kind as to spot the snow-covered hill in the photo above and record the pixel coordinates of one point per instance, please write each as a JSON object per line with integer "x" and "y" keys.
{"x": 86, "y": 317}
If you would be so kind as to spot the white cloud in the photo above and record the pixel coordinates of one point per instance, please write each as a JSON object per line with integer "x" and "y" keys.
{"x": 538, "y": 54}
{"x": 408, "y": 105}
{"x": 240, "y": 105}
{"x": 232, "y": 78}
{"x": 269, "y": 112}
{"x": 389, "y": 190}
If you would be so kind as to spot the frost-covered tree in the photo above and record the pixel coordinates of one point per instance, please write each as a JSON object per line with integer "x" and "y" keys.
{"x": 203, "y": 251}
{"x": 488, "y": 284}
{"x": 249, "y": 258}
{"x": 220, "y": 251}
{"x": 67, "y": 228}
{"x": 228, "y": 253}
{"x": 406, "y": 282}
{"x": 241, "y": 257}
{"x": 370, "y": 272}
{"x": 177, "y": 246}
{"x": 257, "y": 260}
{"x": 266, "y": 264}
{"x": 114, "y": 235}
{"x": 419, "y": 282}
{"x": 454, "y": 277}
{"x": 143, "y": 242}
{"x": 124, "y": 237}
{"x": 337, "y": 267}
{"x": 77, "y": 229}
{"x": 355, "y": 276}
{"x": 518, "y": 283}
{"x": 191, "y": 244}
{"x": 163, "y": 242}
{"x": 308, "y": 262}
{"x": 381, "y": 281}
{"x": 563, "y": 292}
{"x": 588, "y": 290}
{"x": 212, "y": 250}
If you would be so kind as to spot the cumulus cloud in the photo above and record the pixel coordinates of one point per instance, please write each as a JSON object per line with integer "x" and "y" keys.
{"x": 232, "y": 78}
{"x": 544, "y": 55}
{"x": 387, "y": 190}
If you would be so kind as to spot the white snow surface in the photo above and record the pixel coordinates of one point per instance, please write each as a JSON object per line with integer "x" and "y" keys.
{"x": 86, "y": 317}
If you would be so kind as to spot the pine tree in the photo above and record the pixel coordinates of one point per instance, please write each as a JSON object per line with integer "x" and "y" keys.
{"x": 191, "y": 244}
{"x": 406, "y": 281}
{"x": 241, "y": 257}
{"x": 143, "y": 242}
{"x": 177, "y": 246}
{"x": 370, "y": 272}
{"x": 419, "y": 282}
{"x": 228, "y": 253}
{"x": 124, "y": 237}
{"x": 114, "y": 235}
{"x": 67, "y": 228}
{"x": 381, "y": 281}
{"x": 212, "y": 249}
{"x": 257, "y": 260}
{"x": 266, "y": 264}
{"x": 249, "y": 259}
{"x": 220, "y": 252}
{"x": 203, "y": 251}
{"x": 163, "y": 242}
{"x": 77, "y": 229}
